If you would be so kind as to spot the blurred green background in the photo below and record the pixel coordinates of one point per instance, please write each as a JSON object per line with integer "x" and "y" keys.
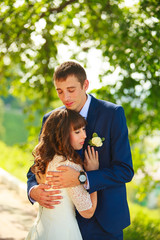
{"x": 118, "y": 42}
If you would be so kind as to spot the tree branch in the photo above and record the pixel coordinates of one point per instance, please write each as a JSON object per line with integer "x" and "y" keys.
{"x": 60, "y": 8}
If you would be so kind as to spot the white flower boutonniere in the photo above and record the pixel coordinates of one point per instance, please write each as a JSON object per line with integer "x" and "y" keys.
{"x": 96, "y": 141}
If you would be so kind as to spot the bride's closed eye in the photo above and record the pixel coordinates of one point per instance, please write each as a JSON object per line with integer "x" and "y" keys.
{"x": 77, "y": 131}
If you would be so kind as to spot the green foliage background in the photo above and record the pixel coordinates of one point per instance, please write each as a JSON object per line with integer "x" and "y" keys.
{"x": 32, "y": 31}
{"x": 31, "y": 34}
{"x": 13, "y": 122}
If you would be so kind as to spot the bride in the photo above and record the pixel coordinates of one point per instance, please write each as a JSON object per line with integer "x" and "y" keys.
{"x": 62, "y": 134}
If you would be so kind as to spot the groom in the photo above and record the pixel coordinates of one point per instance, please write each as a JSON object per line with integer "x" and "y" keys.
{"x": 108, "y": 121}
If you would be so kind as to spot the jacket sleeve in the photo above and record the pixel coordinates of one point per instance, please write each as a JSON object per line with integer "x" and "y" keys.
{"x": 31, "y": 182}
{"x": 120, "y": 170}
{"x": 31, "y": 179}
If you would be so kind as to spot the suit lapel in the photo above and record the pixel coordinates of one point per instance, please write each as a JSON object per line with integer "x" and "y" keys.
{"x": 91, "y": 119}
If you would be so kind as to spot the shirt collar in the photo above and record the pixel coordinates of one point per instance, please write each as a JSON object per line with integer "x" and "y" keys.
{"x": 84, "y": 110}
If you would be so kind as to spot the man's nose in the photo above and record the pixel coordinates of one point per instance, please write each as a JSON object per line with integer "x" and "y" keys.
{"x": 66, "y": 96}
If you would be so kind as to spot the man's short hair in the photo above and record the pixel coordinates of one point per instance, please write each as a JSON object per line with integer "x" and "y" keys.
{"x": 70, "y": 68}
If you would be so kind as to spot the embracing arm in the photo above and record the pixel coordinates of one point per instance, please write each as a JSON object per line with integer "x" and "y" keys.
{"x": 82, "y": 199}
{"x": 31, "y": 179}
{"x": 31, "y": 182}
{"x": 84, "y": 202}
{"x": 37, "y": 192}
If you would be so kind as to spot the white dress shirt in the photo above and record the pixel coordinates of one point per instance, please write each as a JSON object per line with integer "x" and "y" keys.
{"x": 84, "y": 110}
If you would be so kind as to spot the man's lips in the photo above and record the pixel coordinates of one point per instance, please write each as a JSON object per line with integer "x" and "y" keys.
{"x": 68, "y": 104}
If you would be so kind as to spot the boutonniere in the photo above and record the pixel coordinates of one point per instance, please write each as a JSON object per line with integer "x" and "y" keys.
{"x": 96, "y": 141}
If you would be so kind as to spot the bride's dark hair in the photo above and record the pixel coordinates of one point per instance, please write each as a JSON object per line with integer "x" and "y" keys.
{"x": 55, "y": 139}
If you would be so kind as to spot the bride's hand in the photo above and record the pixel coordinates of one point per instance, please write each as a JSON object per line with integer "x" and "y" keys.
{"x": 91, "y": 161}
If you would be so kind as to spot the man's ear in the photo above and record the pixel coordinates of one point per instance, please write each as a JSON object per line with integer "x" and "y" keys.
{"x": 86, "y": 84}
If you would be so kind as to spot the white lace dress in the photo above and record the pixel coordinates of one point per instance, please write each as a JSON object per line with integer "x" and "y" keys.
{"x": 60, "y": 223}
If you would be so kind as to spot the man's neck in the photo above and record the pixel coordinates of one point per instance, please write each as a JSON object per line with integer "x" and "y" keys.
{"x": 85, "y": 108}
{"x": 85, "y": 101}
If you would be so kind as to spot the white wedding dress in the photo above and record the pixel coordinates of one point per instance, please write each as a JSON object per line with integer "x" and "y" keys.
{"x": 60, "y": 223}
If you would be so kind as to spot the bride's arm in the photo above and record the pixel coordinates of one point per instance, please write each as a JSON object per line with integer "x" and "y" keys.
{"x": 91, "y": 162}
{"x": 84, "y": 202}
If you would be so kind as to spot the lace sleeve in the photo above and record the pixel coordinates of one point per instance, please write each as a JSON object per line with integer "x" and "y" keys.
{"x": 80, "y": 197}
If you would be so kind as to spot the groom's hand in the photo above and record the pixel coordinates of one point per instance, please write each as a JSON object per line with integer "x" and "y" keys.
{"x": 67, "y": 177}
{"x": 45, "y": 198}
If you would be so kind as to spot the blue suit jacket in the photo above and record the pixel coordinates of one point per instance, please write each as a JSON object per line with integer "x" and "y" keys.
{"x": 108, "y": 121}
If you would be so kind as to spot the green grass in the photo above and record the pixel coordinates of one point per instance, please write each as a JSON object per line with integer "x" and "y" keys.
{"x": 144, "y": 224}
{"x": 15, "y": 161}
{"x": 14, "y": 157}
{"x": 136, "y": 209}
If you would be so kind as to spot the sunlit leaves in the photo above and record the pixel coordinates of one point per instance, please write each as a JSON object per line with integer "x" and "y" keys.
{"x": 32, "y": 31}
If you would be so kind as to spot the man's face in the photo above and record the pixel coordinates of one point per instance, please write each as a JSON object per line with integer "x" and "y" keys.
{"x": 71, "y": 93}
